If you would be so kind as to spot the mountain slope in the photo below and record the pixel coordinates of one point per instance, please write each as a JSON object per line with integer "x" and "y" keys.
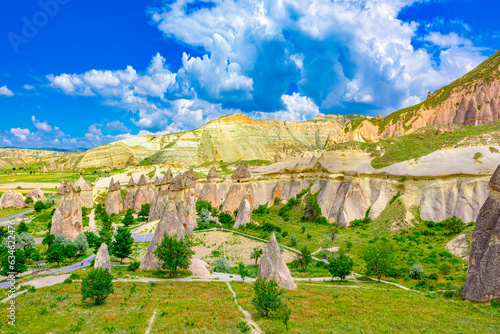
{"x": 16, "y": 157}
{"x": 229, "y": 138}
{"x": 473, "y": 99}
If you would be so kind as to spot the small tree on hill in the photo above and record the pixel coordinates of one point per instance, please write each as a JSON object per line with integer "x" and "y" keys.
{"x": 267, "y": 300}
{"x": 97, "y": 285}
{"x": 173, "y": 253}
{"x": 81, "y": 244}
{"x": 13, "y": 265}
{"x": 293, "y": 240}
{"x": 122, "y": 246}
{"x": 92, "y": 239}
{"x": 39, "y": 206}
{"x": 242, "y": 271}
{"x": 71, "y": 252}
{"x": 340, "y": 264}
{"x": 48, "y": 239}
{"x": 304, "y": 258}
{"x": 226, "y": 219}
{"x": 22, "y": 227}
{"x": 128, "y": 219}
{"x": 29, "y": 200}
{"x": 56, "y": 253}
{"x": 378, "y": 258}
{"x": 256, "y": 254}
{"x": 144, "y": 212}
{"x": 284, "y": 313}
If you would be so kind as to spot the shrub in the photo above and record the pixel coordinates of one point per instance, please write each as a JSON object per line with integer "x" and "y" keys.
{"x": 226, "y": 219}
{"x": 268, "y": 227}
{"x": 312, "y": 210}
{"x": 39, "y": 206}
{"x": 128, "y": 219}
{"x": 243, "y": 326}
{"x": 340, "y": 264}
{"x": 32, "y": 289}
{"x": 256, "y": 254}
{"x": 416, "y": 271}
{"x": 133, "y": 266}
{"x": 453, "y": 225}
{"x": 267, "y": 300}
{"x": 174, "y": 253}
{"x": 261, "y": 209}
{"x": 309, "y": 236}
{"x": 32, "y": 254}
{"x": 22, "y": 227}
{"x": 293, "y": 240}
{"x": 56, "y": 253}
{"x": 448, "y": 294}
{"x": 322, "y": 220}
{"x": 97, "y": 285}
{"x": 68, "y": 280}
{"x": 29, "y": 200}
{"x": 304, "y": 258}
{"x": 201, "y": 204}
{"x": 444, "y": 269}
{"x": 434, "y": 276}
{"x": 495, "y": 303}
{"x": 222, "y": 266}
{"x": 144, "y": 212}
{"x": 378, "y": 258}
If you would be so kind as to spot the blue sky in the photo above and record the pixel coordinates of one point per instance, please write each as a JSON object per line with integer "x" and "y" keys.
{"x": 77, "y": 74}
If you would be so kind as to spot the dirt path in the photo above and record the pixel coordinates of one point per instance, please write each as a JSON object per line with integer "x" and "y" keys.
{"x": 248, "y": 317}
{"x": 151, "y": 322}
{"x": 39, "y": 283}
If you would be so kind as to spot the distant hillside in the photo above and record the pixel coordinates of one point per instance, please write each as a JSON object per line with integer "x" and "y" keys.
{"x": 229, "y": 138}
{"x": 473, "y": 99}
{"x": 16, "y": 157}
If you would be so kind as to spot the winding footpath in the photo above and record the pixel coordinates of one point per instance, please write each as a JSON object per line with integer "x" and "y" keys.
{"x": 248, "y": 317}
{"x": 3, "y": 221}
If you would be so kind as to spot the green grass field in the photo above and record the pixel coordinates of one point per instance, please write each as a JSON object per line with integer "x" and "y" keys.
{"x": 12, "y": 211}
{"x": 180, "y": 308}
{"x": 372, "y": 308}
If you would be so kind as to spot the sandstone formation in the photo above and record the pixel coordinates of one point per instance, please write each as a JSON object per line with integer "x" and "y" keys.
{"x": 52, "y": 166}
{"x": 160, "y": 200}
{"x": 483, "y": 274}
{"x": 67, "y": 218}
{"x": 128, "y": 203}
{"x": 36, "y": 194}
{"x": 272, "y": 266}
{"x": 244, "y": 214}
{"x": 209, "y": 192}
{"x": 199, "y": 268}
{"x": 173, "y": 222}
{"x": 143, "y": 194}
{"x": 86, "y": 193}
{"x": 113, "y": 201}
{"x": 241, "y": 172}
{"x": 102, "y": 259}
{"x": 12, "y": 199}
{"x": 44, "y": 169}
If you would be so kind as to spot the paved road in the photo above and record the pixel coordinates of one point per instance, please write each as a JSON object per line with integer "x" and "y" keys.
{"x": 142, "y": 237}
{"x": 68, "y": 269}
{"x": 17, "y": 215}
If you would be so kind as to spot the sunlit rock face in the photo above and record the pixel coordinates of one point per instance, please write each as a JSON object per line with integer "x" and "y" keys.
{"x": 113, "y": 202}
{"x": 67, "y": 218}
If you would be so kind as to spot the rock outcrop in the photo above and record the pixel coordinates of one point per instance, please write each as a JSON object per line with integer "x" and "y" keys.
{"x": 459, "y": 246}
{"x": 483, "y": 274}
{"x": 11, "y": 199}
{"x": 36, "y": 194}
{"x": 102, "y": 259}
{"x": 160, "y": 200}
{"x": 128, "y": 203}
{"x": 199, "y": 268}
{"x": 244, "y": 215}
{"x": 67, "y": 218}
{"x": 272, "y": 266}
{"x": 143, "y": 194}
{"x": 113, "y": 202}
{"x": 241, "y": 172}
{"x": 86, "y": 193}
{"x": 209, "y": 192}
{"x": 173, "y": 222}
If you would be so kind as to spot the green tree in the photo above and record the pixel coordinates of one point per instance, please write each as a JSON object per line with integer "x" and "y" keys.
{"x": 284, "y": 313}
{"x": 13, "y": 262}
{"x": 267, "y": 300}
{"x": 97, "y": 285}
{"x": 23, "y": 241}
{"x": 70, "y": 252}
{"x": 144, "y": 212}
{"x": 39, "y": 206}
{"x": 256, "y": 254}
{"x": 106, "y": 232}
{"x": 304, "y": 258}
{"x": 242, "y": 271}
{"x": 92, "y": 239}
{"x": 202, "y": 204}
{"x": 293, "y": 240}
{"x": 128, "y": 219}
{"x": 48, "y": 239}
{"x": 312, "y": 210}
{"x": 122, "y": 246}
{"x": 453, "y": 225}
{"x": 22, "y": 227}
{"x": 29, "y": 200}
{"x": 340, "y": 264}
{"x": 378, "y": 258}
{"x": 303, "y": 229}
{"x": 56, "y": 253}
{"x": 173, "y": 253}
{"x": 81, "y": 244}
{"x": 61, "y": 239}
{"x": 226, "y": 219}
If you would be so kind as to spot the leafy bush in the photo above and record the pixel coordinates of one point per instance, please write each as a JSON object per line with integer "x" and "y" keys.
{"x": 201, "y": 204}
{"x": 22, "y": 227}
{"x": 416, "y": 271}
{"x": 144, "y": 212}
{"x": 173, "y": 253}
{"x": 444, "y": 269}
{"x": 133, "y": 266}
{"x": 293, "y": 240}
{"x": 68, "y": 280}
{"x": 434, "y": 276}
{"x": 268, "y": 227}
{"x": 340, "y": 264}
{"x": 97, "y": 285}
{"x": 243, "y": 327}
{"x": 378, "y": 258}
{"x": 222, "y": 266}
{"x": 39, "y": 206}
{"x": 453, "y": 225}
{"x": 267, "y": 300}
{"x": 261, "y": 209}
{"x": 226, "y": 219}
{"x": 312, "y": 209}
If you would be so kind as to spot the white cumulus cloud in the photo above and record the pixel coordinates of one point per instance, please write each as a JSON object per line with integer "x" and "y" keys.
{"x": 6, "y": 91}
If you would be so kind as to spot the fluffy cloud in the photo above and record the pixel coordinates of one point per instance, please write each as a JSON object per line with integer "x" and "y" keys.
{"x": 20, "y": 134}
{"x": 28, "y": 87}
{"x": 5, "y": 91}
{"x": 117, "y": 126}
{"x": 341, "y": 54}
{"x": 42, "y": 126}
